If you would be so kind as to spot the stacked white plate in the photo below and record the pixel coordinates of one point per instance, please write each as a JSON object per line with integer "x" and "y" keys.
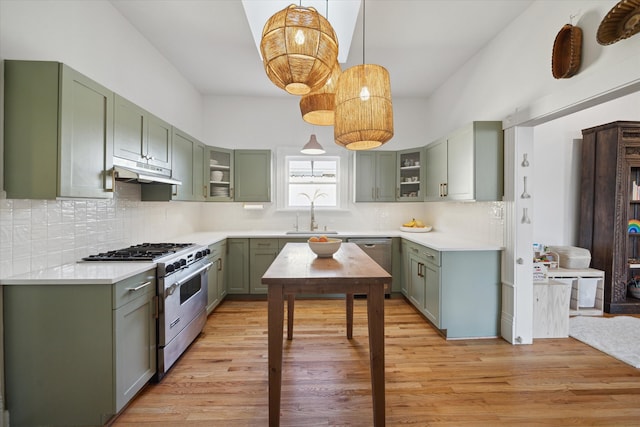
{"x": 220, "y": 192}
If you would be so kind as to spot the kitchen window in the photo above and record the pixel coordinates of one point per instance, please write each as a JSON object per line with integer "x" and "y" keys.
{"x": 312, "y": 179}
{"x": 298, "y": 173}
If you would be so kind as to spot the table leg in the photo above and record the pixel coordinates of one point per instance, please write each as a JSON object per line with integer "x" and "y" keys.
{"x": 275, "y": 323}
{"x": 375, "y": 314}
{"x": 290, "y": 301}
{"x": 349, "y": 316}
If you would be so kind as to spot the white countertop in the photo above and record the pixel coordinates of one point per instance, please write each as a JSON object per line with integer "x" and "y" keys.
{"x": 434, "y": 239}
{"x": 81, "y": 273}
{"x": 84, "y": 273}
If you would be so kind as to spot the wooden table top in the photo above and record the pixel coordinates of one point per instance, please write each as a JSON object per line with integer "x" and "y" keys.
{"x": 297, "y": 264}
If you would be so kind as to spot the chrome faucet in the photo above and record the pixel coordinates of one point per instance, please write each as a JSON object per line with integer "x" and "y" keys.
{"x": 314, "y": 225}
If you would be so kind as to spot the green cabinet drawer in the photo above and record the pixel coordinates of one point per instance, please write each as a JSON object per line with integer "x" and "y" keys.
{"x": 263, "y": 244}
{"x": 129, "y": 289}
{"x": 431, "y": 255}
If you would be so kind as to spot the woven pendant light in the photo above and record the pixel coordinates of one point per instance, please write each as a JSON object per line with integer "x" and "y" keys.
{"x": 318, "y": 108}
{"x": 364, "y": 112}
{"x": 299, "y": 49}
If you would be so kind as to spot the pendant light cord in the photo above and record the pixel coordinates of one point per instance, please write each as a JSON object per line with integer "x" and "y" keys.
{"x": 364, "y": 20}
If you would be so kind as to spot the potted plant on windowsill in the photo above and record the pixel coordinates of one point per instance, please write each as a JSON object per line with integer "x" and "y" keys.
{"x": 634, "y": 287}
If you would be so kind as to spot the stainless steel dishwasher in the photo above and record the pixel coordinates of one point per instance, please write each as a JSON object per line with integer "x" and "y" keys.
{"x": 379, "y": 249}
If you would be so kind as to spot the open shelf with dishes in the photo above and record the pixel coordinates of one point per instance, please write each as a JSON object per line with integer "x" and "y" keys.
{"x": 220, "y": 174}
{"x": 410, "y": 175}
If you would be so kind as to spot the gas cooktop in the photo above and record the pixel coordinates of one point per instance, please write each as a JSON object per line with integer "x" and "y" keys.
{"x": 142, "y": 252}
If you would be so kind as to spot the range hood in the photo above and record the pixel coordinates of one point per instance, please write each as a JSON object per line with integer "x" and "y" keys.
{"x": 142, "y": 173}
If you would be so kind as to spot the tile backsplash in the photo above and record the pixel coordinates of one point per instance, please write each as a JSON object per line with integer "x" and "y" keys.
{"x": 36, "y": 234}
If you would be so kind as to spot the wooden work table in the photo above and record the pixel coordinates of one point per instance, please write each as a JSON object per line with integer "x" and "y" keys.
{"x": 297, "y": 270}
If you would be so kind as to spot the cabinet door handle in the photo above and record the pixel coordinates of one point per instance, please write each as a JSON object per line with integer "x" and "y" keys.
{"x": 175, "y": 192}
{"x": 110, "y": 188}
{"x": 137, "y": 288}
{"x": 219, "y": 261}
{"x": 204, "y": 191}
{"x": 446, "y": 190}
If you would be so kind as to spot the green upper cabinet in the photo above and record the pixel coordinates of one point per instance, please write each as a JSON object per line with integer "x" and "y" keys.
{"x": 252, "y": 175}
{"x": 140, "y": 136}
{"x": 473, "y": 156}
{"x": 375, "y": 176}
{"x": 435, "y": 170}
{"x": 218, "y": 173}
{"x": 187, "y": 166}
{"x": 58, "y": 133}
{"x": 410, "y": 175}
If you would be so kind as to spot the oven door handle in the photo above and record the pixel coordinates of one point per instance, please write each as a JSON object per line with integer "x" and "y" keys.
{"x": 171, "y": 289}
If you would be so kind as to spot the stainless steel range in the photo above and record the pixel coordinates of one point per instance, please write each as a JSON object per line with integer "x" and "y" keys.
{"x": 182, "y": 276}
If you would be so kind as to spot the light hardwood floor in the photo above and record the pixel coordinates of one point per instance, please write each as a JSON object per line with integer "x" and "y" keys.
{"x": 222, "y": 379}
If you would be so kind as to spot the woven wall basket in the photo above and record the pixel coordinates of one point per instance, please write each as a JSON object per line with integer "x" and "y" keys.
{"x": 567, "y": 52}
{"x": 621, "y": 22}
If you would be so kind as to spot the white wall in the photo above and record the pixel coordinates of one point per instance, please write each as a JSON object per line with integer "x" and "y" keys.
{"x": 511, "y": 77}
{"x": 95, "y": 39}
{"x": 556, "y": 168}
{"x": 263, "y": 122}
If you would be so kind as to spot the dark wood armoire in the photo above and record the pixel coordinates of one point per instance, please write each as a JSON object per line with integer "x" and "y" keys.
{"x": 610, "y": 208}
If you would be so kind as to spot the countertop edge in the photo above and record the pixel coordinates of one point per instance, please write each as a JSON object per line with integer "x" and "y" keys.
{"x": 88, "y": 273}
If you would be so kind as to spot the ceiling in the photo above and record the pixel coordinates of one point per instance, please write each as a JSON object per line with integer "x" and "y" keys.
{"x": 420, "y": 42}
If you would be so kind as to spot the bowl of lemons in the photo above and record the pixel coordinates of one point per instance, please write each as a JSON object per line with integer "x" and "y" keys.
{"x": 323, "y": 246}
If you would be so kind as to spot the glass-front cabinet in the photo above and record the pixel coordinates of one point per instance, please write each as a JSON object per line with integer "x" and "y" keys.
{"x": 410, "y": 176}
{"x": 610, "y": 210}
{"x": 633, "y": 233}
{"x": 219, "y": 174}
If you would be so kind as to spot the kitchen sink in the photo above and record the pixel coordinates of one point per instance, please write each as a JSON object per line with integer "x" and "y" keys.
{"x": 311, "y": 232}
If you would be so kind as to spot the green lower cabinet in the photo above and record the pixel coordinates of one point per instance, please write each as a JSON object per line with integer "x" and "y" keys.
{"x": 431, "y": 306}
{"x": 217, "y": 288}
{"x": 237, "y": 274}
{"x": 262, "y": 252}
{"x": 416, "y": 285}
{"x": 405, "y": 272}
{"x": 396, "y": 265}
{"x": 470, "y": 293}
{"x": 457, "y": 291}
{"x": 77, "y": 354}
